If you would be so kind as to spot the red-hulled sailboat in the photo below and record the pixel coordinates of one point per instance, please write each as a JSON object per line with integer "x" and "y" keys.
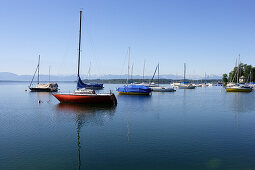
{"x": 81, "y": 95}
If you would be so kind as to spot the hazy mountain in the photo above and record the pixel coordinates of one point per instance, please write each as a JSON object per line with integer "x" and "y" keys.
{"x": 7, "y": 76}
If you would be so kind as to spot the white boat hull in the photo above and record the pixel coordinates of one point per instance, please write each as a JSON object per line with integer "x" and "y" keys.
{"x": 162, "y": 89}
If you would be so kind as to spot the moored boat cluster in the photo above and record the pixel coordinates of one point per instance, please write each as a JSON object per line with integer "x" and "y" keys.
{"x": 85, "y": 92}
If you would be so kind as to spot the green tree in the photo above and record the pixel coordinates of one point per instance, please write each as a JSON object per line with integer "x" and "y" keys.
{"x": 225, "y": 78}
{"x": 233, "y": 75}
{"x": 247, "y": 72}
{"x": 242, "y": 70}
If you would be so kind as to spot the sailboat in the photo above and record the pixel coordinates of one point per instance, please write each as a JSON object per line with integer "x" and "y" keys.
{"x": 251, "y": 83}
{"x": 47, "y": 87}
{"x": 186, "y": 85}
{"x": 160, "y": 88}
{"x": 238, "y": 87}
{"x": 81, "y": 95}
{"x": 133, "y": 89}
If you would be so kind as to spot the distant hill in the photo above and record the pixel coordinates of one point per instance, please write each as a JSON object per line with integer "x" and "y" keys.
{"x": 7, "y": 76}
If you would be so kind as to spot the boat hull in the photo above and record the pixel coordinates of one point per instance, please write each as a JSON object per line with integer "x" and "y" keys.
{"x": 34, "y": 89}
{"x": 86, "y": 98}
{"x": 168, "y": 90}
{"x": 187, "y": 87}
{"x": 132, "y": 93}
{"x": 134, "y": 90}
{"x": 156, "y": 89}
{"x": 247, "y": 90}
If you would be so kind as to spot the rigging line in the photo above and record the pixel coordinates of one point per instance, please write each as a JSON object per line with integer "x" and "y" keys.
{"x": 38, "y": 69}
{"x": 94, "y": 56}
{"x": 184, "y": 75}
{"x": 91, "y": 44}
{"x": 33, "y": 77}
{"x": 124, "y": 62}
{"x": 49, "y": 74}
{"x": 158, "y": 74}
{"x": 153, "y": 75}
{"x": 89, "y": 70}
{"x": 128, "y": 63}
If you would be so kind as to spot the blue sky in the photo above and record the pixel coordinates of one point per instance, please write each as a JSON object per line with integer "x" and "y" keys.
{"x": 206, "y": 34}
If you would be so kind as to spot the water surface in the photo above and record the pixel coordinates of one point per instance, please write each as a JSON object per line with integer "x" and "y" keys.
{"x": 204, "y": 128}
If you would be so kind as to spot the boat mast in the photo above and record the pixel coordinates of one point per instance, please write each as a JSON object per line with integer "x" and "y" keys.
{"x": 132, "y": 72}
{"x": 49, "y": 74}
{"x": 128, "y": 62}
{"x": 158, "y": 74}
{"x": 238, "y": 69}
{"x": 37, "y": 67}
{"x": 205, "y": 77}
{"x": 79, "y": 50}
{"x": 143, "y": 69}
{"x": 38, "y": 81}
{"x": 251, "y": 76}
{"x": 184, "y": 72}
{"x": 153, "y": 75}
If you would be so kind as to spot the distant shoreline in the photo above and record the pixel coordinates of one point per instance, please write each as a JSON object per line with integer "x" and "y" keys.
{"x": 124, "y": 81}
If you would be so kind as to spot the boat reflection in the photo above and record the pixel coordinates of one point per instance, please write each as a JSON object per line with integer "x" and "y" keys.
{"x": 134, "y": 99}
{"x": 42, "y": 97}
{"x": 86, "y": 114}
{"x": 84, "y": 108}
{"x": 242, "y": 102}
{"x": 93, "y": 114}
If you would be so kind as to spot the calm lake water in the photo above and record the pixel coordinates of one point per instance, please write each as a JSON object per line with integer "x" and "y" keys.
{"x": 204, "y": 128}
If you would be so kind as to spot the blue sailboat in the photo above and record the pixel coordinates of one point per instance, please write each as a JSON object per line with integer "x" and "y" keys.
{"x": 133, "y": 89}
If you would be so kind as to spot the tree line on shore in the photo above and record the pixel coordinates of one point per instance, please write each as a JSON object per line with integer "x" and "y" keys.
{"x": 245, "y": 70}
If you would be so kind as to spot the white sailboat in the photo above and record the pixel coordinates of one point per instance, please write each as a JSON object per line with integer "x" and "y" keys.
{"x": 238, "y": 87}
{"x": 159, "y": 88}
{"x": 46, "y": 87}
{"x": 186, "y": 85}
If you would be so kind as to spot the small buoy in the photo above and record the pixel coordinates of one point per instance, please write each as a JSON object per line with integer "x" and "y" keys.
{"x": 25, "y": 89}
{"x": 39, "y": 101}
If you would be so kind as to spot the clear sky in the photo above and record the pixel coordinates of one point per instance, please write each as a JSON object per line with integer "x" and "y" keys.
{"x": 206, "y": 34}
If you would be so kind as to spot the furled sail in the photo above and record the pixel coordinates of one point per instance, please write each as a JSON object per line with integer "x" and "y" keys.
{"x": 80, "y": 84}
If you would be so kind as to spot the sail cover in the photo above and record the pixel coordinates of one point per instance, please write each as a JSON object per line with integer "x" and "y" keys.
{"x": 80, "y": 84}
{"x": 134, "y": 89}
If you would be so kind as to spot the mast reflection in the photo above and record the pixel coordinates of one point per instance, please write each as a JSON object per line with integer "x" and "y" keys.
{"x": 85, "y": 114}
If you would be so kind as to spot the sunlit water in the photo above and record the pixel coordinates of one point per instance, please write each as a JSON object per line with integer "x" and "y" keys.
{"x": 204, "y": 128}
